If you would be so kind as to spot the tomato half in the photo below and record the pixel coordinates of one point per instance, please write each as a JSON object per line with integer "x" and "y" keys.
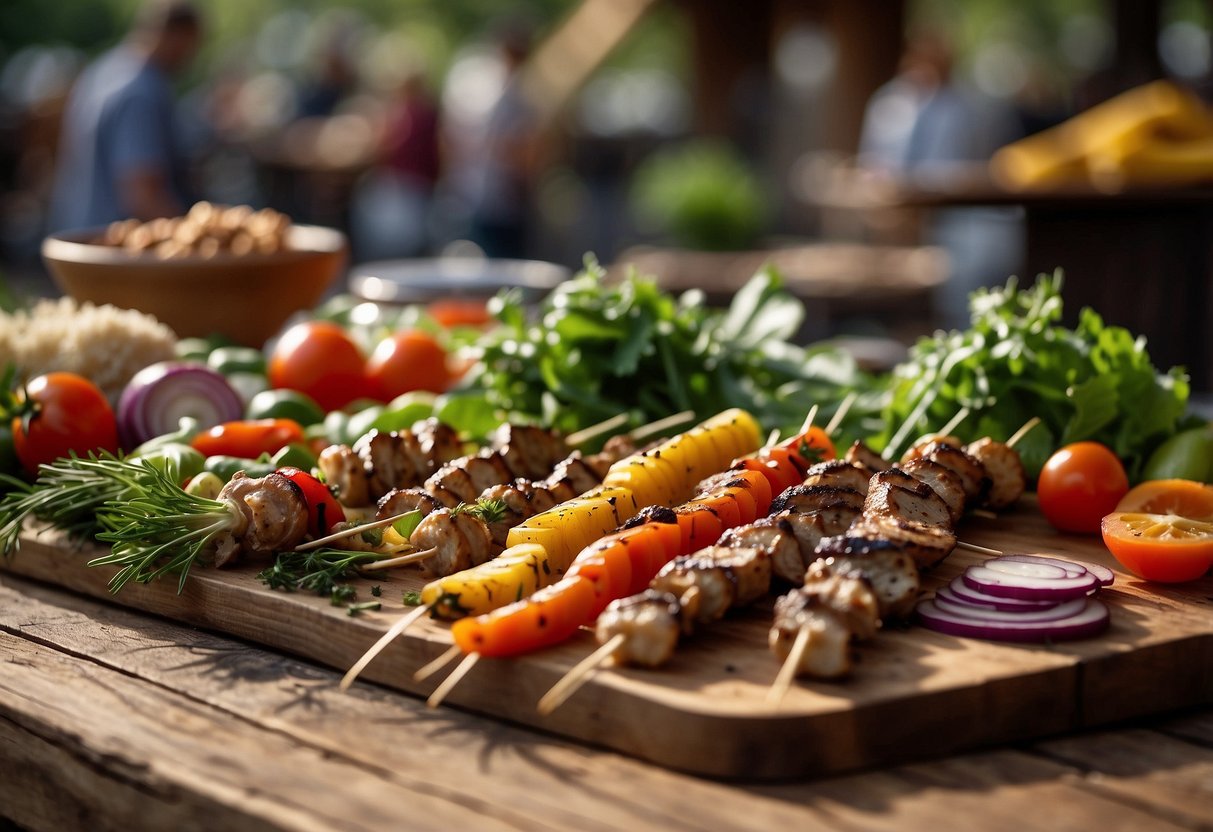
{"x": 460, "y": 312}
{"x": 814, "y": 446}
{"x": 1079, "y": 485}
{"x": 1187, "y": 498}
{"x": 248, "y": 438}
{"x": 1160, "y": 547}
{"x": 323, "y": 510}
{"x": 320, "y": 359}
{"x": 62, "y": 413}
{"x": 406, "y": 361}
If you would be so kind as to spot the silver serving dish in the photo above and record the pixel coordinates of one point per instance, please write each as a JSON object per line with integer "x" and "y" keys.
{"x": 423, "y": 280}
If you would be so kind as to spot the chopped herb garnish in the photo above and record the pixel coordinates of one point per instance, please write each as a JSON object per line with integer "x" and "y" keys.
{"x": 342, "y": 594}
{"x": 412, "y": 598}
{"x": 354, "y": 609}
{"x": 376, "y": 591}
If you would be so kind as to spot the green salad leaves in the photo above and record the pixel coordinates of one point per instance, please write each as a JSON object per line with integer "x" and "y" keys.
{"x": 1017, "y": 361}
{"x": 596, "y": 349}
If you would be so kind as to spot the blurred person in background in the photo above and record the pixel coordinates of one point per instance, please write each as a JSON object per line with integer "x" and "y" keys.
{"x": 494, "y": 173}
{"x": 391, "y": 209}
{"x": 119, "y": 154}
{"x": 924, "y": 128}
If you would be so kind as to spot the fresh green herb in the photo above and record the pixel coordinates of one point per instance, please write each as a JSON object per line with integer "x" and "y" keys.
{"x": 412, "y": 598}
{"x": 376, "y": 591}
{"x": 1017, "y": 361}
{"x": 315, "y": 570}
{"x": 343, "y": 594}
{"x": 490, "y": 511}
{"x": 354, "y": 609}
{"x": 596, "y": 349}
{"x": 372, "y": 537}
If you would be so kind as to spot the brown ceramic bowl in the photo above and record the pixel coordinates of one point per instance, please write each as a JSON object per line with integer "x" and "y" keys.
{"x": 246, "y": 298}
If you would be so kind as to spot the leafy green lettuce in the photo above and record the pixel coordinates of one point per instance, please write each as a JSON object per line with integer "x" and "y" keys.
{"x": 1017, "y": 361}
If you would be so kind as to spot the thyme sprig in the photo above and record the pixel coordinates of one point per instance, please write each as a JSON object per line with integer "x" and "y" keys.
{"x": 317, "y": 570}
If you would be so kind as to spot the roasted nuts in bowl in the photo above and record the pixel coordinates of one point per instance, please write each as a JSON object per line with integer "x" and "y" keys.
{"x": 206, "y": 231}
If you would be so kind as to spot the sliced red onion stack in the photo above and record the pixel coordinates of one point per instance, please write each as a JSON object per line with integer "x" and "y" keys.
{"x": 1021, "y": 598}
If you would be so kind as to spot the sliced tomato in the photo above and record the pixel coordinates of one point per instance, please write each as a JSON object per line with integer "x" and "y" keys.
{"x": 1160, "y": 547}
{"x": 1187, "y": 498}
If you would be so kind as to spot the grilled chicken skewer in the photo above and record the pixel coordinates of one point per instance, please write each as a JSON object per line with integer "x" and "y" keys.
{"x": 909, "y": 514}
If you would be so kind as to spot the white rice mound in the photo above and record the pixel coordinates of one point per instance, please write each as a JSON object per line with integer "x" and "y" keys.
{"x": 105, "y": 344}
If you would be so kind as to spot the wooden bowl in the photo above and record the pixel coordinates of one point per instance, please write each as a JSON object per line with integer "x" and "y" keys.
{"x": 246, "y": 298}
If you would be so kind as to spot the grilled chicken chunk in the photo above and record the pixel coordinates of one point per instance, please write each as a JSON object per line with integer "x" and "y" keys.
{"x": 345, "y": 470}
{"x": 581, "y": 476}
{"x": 942, "y": 481}
{"x": 388, "y": 465}
{"x": 776, "y": 537}
{"x": 851, "y": 596}
{"x": 917, "y": 501}
{"x": 518, "y": 507}
{"x": 529, "y": 451}
{"x": 892, "y": 574}
{"x": 807, "y": 499}
{"x": 462, "y": 541}
{"x": 1004, "y": 468}
{"x": 650, "y": 623}
{"x": 403, "y": 500}
{"x": 840, "y": 473}
{"x": 917, "y": 450}
{"x": 274, "y": 516}
{"x": 927, "y": 545}
{"x": 828, "y": 653}
{"x": 972, "y": 474}
{"x": 861, "y": 454}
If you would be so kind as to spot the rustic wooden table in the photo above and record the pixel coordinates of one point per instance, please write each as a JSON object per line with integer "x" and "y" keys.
{"x": 112, "y": 719}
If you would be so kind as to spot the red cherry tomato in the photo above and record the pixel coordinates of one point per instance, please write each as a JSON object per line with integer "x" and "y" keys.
{"x": 62, "y": 413}
{"x": 1079, "y": 485}
{"x": 249, "y": 438}
{"x": 405, "y": 361}
{"x": 323, "y": 510}
{"x": 320, "y": 359}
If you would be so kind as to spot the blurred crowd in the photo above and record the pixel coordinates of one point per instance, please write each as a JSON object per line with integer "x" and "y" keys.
{"x": 335, "y": 120}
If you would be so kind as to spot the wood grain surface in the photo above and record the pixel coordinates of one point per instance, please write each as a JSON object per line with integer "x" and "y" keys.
{"x": 914, "y": 694}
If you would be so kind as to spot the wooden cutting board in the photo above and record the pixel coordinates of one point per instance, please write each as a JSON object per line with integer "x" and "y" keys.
{"x": 914, "y": 694}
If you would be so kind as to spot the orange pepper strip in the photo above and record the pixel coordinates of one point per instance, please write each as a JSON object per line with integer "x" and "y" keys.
{"x": 725, "y": 505}
{"x": 812, "y": 447}
{"x": 701, "y": 526}
{"x": 747, "y": 508}
{"x": 548, "y": 617}
{"x": 608, "y": 565}
{"x": 760, "y": 487}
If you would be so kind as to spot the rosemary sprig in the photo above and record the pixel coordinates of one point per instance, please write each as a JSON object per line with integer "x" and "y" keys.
{"x": 68, "y": 494}
{"x": 160, "y": 529}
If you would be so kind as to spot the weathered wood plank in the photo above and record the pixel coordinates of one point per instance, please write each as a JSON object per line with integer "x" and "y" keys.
{"x": 144, "y": 758}
{"x": 548, "y": 782}
{"x": 706, "y": 712}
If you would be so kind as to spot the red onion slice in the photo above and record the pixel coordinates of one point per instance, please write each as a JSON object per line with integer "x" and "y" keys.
{"x": 1103, "y": 574}
{"x": 961, "y": 593}
{"x": 1022, "y": 586}
{"x": 1030, "y": 569}
{"x": 1065, "y": 609}
{"x": 1091, "y": 620}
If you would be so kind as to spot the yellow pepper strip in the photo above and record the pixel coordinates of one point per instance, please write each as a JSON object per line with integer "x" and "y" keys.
{"x": 541, "y": 548}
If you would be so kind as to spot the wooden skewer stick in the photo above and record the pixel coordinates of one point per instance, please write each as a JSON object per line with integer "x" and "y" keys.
{"x": 1027, "y": 428}
{"x": 350, "y": 532}
{"x": 954, "y": 422}
{"x": 402, "y": 623}
{"x": 772, "y": 438}
{"x": 841, "y": 413}
{"x": 605, "y": 426}
{"x": 973, "y": 547}
{"x": 430, "y": 668}
{"x": 787, "y": 673}
{"x": 660, "y": 425}
{"x": 403, "y": 560}
{"x": 448, "y": 684}
{"x": 808, "y": 421}
{"x": 578, "y": 675}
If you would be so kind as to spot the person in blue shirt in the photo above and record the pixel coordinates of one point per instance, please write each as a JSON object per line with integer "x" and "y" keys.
{"x": 119, "y": 153}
